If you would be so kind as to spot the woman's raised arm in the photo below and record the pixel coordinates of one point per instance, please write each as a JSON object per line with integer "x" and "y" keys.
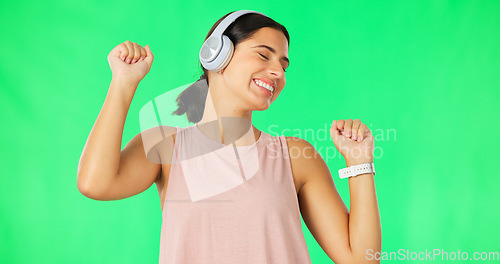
{"x": 105, "y": 172}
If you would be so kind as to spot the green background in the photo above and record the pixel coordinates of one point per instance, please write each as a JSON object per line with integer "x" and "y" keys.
{"x": 423, "y": 75}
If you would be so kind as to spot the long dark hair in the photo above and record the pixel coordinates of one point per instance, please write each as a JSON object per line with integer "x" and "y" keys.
{"x": 192, "y": 100}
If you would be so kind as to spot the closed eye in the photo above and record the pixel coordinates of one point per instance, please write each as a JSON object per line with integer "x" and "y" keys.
{"x": 268, "y": 59}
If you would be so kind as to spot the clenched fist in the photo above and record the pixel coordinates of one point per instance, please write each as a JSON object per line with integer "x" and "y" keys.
{"x": 130, "y": 60}
{"x": 353, "y": 140}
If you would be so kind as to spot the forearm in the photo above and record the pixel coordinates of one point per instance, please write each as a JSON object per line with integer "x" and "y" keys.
{"x": 100, "y": 158}
{"x": 364, "y": 218}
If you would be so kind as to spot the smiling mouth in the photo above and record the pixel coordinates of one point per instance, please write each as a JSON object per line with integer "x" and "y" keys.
{"x": 264, "y": 87}
{"x": 263, "y": 90}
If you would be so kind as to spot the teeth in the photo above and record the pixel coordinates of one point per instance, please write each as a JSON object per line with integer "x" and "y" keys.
{"x": 265, "y": 85}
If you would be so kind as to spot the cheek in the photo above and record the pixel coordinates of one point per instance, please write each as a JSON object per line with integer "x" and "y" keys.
{"x": 239, "y": 70}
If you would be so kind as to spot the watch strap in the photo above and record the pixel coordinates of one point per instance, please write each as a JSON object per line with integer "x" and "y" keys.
{"x": 357, "y": 170}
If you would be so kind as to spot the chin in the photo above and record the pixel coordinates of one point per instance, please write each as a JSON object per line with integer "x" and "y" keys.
{"x": 257, "y": 102}
{"x": 262, "y": 106}
{"x": 261, "y": 109}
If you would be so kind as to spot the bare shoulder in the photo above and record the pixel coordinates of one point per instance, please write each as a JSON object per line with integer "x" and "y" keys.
{"x": 304, "y": 159}
{"x": 158, "y": 143}
{"x": 158, "y": 132}
{"x": 296, "y": 142}
{"x": 152, "y": 136}
{"x": 300, "y": 149}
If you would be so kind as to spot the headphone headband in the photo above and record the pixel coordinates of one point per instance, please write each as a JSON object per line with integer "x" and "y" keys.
{"x": 224, "y": 24}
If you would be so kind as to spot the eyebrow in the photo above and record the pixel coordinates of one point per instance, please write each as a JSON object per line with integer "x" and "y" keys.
{"x": 273, "y": 51}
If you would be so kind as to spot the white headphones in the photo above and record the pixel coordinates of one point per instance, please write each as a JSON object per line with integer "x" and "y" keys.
{"x": 217, "y": 50}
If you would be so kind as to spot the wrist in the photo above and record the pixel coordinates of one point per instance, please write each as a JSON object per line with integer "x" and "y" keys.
{"x": 357, "y": 162}
{"x": 122, "y": 88}
{"x": 125, "y": 80}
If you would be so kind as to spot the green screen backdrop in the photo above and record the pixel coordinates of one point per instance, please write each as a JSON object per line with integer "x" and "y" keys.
{"x": 423, "y": 75}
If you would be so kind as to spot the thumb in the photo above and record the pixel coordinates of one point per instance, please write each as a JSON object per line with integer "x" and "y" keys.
{"x": 149, "y": 55}
{"x": 333, "y": 131}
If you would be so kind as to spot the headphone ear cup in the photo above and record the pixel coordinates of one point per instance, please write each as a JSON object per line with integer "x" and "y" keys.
{"x": 209, "y": 52}
{"x": 217, "y": 51}
{"x": 225, "y": 55}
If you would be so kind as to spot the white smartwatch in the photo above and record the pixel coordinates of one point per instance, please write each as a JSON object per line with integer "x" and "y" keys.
{"x": 356, "y": 170}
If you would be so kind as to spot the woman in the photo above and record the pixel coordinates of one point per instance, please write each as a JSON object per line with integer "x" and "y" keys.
{"x": 209, "y": 214}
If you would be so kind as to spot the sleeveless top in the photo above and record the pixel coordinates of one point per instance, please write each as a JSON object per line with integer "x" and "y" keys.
{"x": 231, "y": 204}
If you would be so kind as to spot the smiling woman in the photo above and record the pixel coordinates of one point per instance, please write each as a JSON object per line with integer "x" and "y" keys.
{"x": 229, "y": 192}
{"x": 236, "y": 81}
{"x": 265, "y": 39}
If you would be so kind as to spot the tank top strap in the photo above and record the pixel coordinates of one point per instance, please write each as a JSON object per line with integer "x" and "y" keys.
{"x": 177, "y": 143}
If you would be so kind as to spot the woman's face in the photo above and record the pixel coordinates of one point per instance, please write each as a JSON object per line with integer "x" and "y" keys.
{"x": 264, "y": 56}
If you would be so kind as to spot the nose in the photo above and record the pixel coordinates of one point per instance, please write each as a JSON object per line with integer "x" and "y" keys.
{"x": 277, "y": 70}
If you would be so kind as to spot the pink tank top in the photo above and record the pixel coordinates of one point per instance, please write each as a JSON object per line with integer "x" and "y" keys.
{"x": 227, "y": 204}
